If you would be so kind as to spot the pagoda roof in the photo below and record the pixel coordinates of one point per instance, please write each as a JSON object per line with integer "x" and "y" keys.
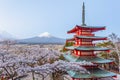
{"x": 87, "y": 48}
{"x": 93, "y": 59}
{"x": 88, "y": 37}
{"x": 94, "y": 73}
{"x": 92, "y": 28}
{"x": 92, "y": 37}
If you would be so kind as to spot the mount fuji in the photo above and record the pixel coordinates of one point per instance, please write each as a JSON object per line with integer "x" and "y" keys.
{"x": 44, "y": 38}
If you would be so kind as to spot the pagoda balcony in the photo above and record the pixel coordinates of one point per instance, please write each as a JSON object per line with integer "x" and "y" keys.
{"x": 88, "y": 34}
{"x": 93, "y": 38}
{"x": 87, "y": 45}
{"x": 92, "y": 45}
{"x": 84, "y": 35}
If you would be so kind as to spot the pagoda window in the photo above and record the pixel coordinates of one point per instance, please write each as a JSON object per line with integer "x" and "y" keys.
{"x": 86, "y": 53}
{"x": 86, "y": 32}
{"x": 87, "y": 40}
{"x": 86, "y": 43}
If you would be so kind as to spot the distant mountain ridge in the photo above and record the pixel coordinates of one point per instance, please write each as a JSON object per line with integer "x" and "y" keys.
{"x": 6, "y": 36}
{"x": 44, "y": 38}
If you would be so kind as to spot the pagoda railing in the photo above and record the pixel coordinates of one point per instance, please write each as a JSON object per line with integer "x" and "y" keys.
{"x": 87, "y": 45}
{"x": 88, "y": 34}
{"x": 84, "y": 35}
{"x": 84, "y": 45}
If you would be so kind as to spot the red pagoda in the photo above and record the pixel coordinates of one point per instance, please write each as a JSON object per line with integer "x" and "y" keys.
{"x": 84, "y": 50}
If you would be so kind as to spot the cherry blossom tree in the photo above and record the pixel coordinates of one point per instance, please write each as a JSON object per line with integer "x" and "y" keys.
{"x": 116, "y": 46}
{"x": 34, "y": 57}
{"x": 18, "y": 61}
{"x": 44, "y": 61}
{"x": 59, "y": 68}
{"x": 10, "y": 65}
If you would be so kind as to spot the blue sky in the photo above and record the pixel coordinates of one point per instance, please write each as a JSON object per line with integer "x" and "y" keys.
{"x": 28, "y": 18}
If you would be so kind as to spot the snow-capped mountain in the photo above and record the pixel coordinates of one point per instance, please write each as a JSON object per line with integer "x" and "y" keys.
{"x": 44, "y": 38}
{"x": 5, "y": 35}
{"x": 45, "y": 34}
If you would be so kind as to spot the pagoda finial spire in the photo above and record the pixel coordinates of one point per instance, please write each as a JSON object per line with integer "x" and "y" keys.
{"x": 83, "y": 15}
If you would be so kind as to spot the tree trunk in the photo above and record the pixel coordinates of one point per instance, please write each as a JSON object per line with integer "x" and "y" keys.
{"x": 33, "y": 75}
{"x": 57, "y": 77}
{"x": 42, "y": 77}
{"x": 12, "y": 78}
{"x": 53, "y": 76}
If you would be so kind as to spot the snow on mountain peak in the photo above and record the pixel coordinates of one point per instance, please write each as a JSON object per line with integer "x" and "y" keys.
{"x": 45, "y": 34}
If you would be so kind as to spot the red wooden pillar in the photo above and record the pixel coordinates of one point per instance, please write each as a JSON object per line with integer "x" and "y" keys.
{"x": 80, "y": 53}
{"x": 77, "y": 42}
{"x": 76, "y": 33}
{"x": 81, "y": 31}
{"x": 80, "y": 41}
{"x": 92, "y": 53}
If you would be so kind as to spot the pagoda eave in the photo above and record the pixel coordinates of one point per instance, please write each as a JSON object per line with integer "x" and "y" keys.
{"x": 92, "y": 50}
{"x": 91, "y": 37}
{"x": 96, "y": 73}
{"x": 83, "y": 48}
{"x": 92, "y": 28}
{"x": 95, "y": 59}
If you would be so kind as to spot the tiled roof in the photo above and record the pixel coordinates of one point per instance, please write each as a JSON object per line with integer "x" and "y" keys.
{"x": 84, "y": 48}
{"x": 92, "y": 28}
{"x": 93, "y": 59}
{"x": 94, "y": 73}
{"x": 91, "y": 37}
